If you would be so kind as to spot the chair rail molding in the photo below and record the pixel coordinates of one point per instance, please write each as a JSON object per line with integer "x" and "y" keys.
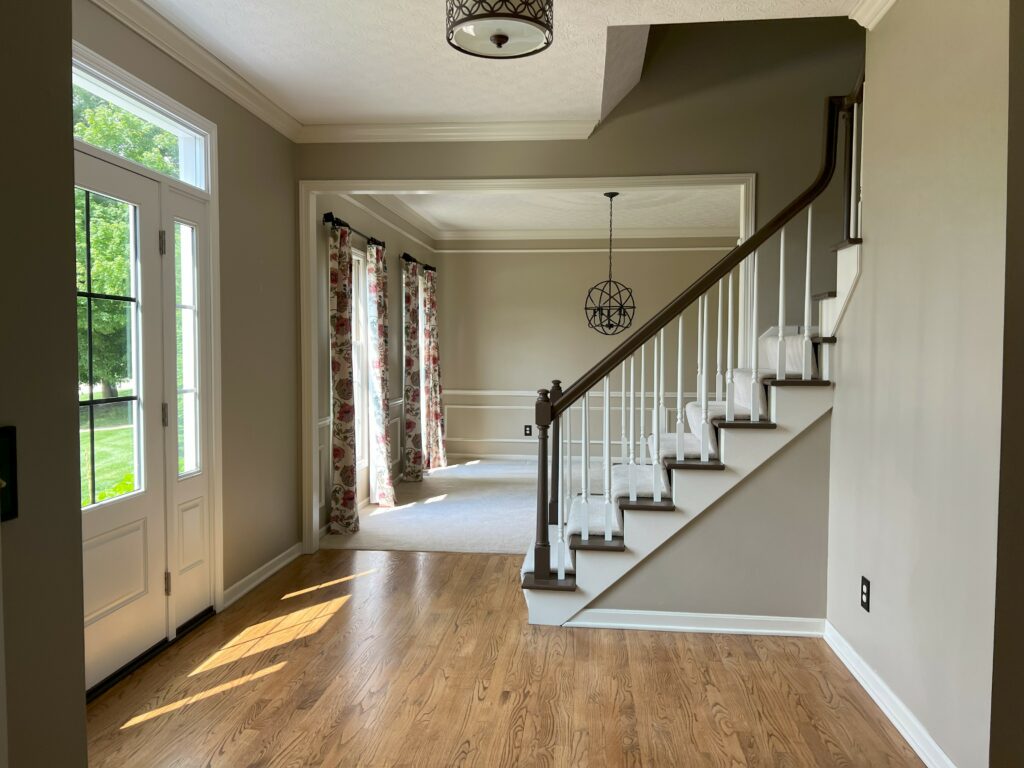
{"x": 868, "y": 13}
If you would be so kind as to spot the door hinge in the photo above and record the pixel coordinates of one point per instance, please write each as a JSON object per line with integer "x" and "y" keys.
{"x": 167, "y": 583}
{"x": 163, "y": 413}
{"x": 163, "y": 242}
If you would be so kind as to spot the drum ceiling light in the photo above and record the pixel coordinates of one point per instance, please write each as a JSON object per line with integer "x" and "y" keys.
{"x": 500, "y": 29}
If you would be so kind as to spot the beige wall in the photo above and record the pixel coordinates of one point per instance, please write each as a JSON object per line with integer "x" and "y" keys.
{"x": 915, "y": 430}
{"x": 42, "y": 549}
{"x": 759, "y": 551}
{"x": 259, "y": 300}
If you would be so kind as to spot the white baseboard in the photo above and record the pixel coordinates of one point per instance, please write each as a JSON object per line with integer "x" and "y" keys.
{"x": 261, "y": 574}
{"x": 892, "y": 707}
{"x": 495, "y": 456}
{"x": 671, "y": 621}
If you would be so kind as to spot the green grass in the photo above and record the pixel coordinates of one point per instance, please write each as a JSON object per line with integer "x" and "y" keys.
{"x": 115, "y": 462}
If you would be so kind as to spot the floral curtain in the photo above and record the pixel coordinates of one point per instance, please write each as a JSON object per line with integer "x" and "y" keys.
{"x": 344, "y": 517}
{"x": 382, "y": 490}
{"x": 433, "y": 416}
{"x": 413, "y": 468}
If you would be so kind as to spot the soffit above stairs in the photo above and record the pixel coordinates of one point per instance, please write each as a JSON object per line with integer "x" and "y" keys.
{"x": 342, "y": 70}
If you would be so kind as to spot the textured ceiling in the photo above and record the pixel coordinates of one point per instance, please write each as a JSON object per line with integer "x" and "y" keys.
{"x": 386, "y": 61}
{"x": 711, "y": 211}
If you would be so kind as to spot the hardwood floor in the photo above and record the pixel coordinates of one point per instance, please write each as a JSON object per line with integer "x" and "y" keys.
{"x": 350, "y": 658}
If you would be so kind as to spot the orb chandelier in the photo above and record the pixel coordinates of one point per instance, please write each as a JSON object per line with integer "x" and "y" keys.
{"x": 500, "y": 29}
{"x": 610, "y": 306}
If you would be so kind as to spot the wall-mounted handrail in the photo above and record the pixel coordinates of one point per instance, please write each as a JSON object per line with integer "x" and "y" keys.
{"x": 835, "y": 106}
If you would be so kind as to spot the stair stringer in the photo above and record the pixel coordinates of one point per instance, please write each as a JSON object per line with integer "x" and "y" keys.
{"x": 794, "y": 409}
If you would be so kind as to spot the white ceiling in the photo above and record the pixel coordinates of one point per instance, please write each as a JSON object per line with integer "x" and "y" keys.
{"x": 386, "y": 62}
{"x": 690, "y": 211}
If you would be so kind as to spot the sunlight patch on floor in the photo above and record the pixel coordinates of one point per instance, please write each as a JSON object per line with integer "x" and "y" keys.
{"x": 167, "y": 708}
{"x": 273, "y": 633}
{"x": 327, "y": 584}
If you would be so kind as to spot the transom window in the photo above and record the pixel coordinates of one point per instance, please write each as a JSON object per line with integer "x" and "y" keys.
{"x": 110, "y": 118}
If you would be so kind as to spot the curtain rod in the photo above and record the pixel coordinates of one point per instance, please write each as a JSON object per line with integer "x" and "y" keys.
{"x": 334, "y": 221}
{"x": 407, "y": 257}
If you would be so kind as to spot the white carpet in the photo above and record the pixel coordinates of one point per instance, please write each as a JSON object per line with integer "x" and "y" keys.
{"x": 473, "y": 506}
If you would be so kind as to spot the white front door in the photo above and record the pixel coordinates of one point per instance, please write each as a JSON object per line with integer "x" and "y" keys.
{"x": 120, "y": 386}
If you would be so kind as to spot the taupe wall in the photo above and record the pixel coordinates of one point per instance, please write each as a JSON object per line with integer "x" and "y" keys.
{"x": 1007, "y": 747}
{"x": 259, "y": 300}
{"x": 915, "y": 430}
{"x": 714, "y": 98}
{"x": 759, "y": 551}
{"x": 42, "y": 549}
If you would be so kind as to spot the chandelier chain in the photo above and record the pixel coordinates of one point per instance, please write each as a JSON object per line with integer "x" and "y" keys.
{"x": 611, "y": 203}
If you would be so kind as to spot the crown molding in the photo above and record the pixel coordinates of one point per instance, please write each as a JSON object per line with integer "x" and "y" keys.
{"x": 549, "y": 130}
{"x": 868, "y": 13}
{"x": 154, "y": 28}
{"x": 596, "y": 233}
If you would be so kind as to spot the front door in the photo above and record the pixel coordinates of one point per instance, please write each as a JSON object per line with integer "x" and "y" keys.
{"x": 120, "y": 389}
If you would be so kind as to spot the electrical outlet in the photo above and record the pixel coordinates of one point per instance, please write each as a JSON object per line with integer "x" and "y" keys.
{"x": 865, "y": 594}
{"x": 528, "y": 430}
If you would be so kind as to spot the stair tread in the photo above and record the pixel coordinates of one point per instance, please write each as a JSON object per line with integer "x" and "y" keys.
{"x": 697, "y": 464}
{"x": 597, "y": 543}
{"x": 847, "y": 243}
{"x": 646, "y": 505}
{"x": 823, "y": 295}
{"x": 823, "y": 339}
{"x": 554, "y": 584}
{"x": 742, "y": 424}
{"x": 795, "y": 381}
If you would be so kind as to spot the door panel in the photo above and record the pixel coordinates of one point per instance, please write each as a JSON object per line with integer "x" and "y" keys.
{"x": 120, "y": 395}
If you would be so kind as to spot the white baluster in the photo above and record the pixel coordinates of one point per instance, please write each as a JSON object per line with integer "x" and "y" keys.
{"x": 643, "y": 405}
{"x": 631, "y": 472}
{"x": 719, "y": 379}
{"x": 808, "y": 347}
{"x": 562, "y": 499}
{"x": 659, "y": 386}
{"x": 755, "y": 345}
{"x": 700, "y": 350}
{"x": 730, "y": 395}
{"x": 662, "y": 410}
{"x": 781, "y": 366}
{"x": 623, "y": 455}
{"x": 606, "y": 429}
{"x": 680, "y": 396}
{"x": 705, "y": 423}
{"x": 585, "y": 470}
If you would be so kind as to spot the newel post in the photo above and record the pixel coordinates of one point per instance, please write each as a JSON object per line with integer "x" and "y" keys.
{"x": 556, "y": 443}
{"x": 542, "y": 550}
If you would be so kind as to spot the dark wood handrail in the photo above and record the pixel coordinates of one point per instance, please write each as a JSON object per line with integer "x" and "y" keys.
{"x": 835, "y": 105}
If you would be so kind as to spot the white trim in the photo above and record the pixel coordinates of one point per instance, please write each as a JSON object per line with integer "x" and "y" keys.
{"x": 521, "y": 184}
{"x": 673, "y": 621}
{"x": 261, "y": 574}
{"x": 546, "y": 130}
{"x": 868, "y": 13}
{"x": 154, "y": 28}
{"x": 618, "y": 249}
{"x": 388, "y": 222}
{"x": 891, "y": 705}
{"x": 496, "y": 456}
